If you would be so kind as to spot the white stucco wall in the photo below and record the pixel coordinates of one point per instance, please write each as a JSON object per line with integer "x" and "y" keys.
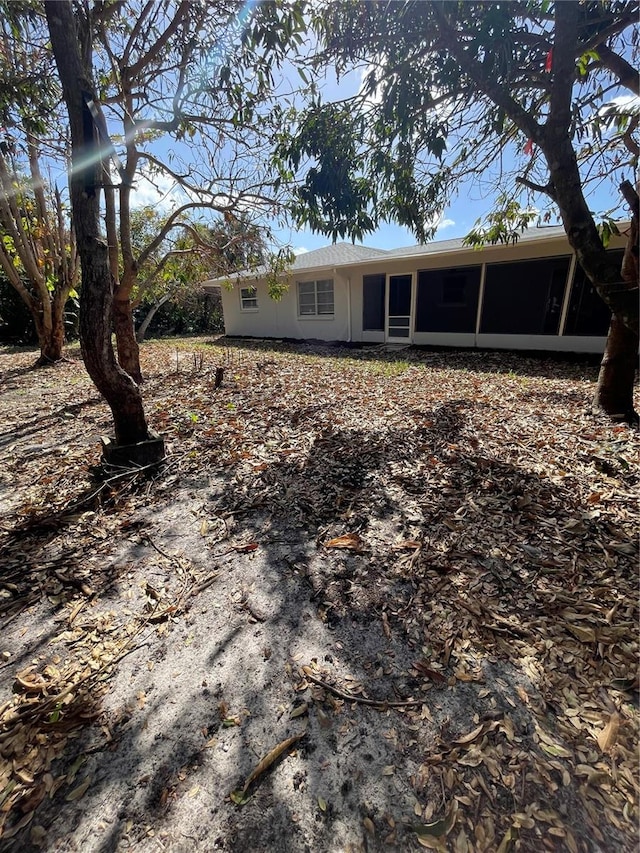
{"x": 279, "y": 319}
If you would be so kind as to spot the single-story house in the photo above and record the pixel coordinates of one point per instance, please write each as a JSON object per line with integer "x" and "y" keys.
{"x": 527, "y": 295}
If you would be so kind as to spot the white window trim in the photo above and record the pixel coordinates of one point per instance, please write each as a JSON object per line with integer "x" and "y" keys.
{"x": 316, "y": 316}
{"x": 253, "y": 308}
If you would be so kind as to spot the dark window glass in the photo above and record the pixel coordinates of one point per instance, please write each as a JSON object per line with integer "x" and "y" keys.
{"x": 525, "y": 297}
{"x": 587, "y": 313}
{"x": 448, "y": 300}
{"x": 373, "y": 303}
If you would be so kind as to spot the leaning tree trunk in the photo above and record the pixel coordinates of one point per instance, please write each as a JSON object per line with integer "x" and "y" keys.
{"x": 614, "y": 393}
{"x": 120, "y": 391}
{"x": 126, "y": 341}
{"x": 142, "y": 329}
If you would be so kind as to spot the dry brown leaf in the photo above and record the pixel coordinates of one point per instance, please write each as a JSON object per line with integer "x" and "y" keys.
{"x": 470, "y": 736}
{"x": 369, "y": 827}
{"x": 270, "y": 758}
{"x": 349, "y": 541}
{"x": 607, "y": 737}
{"x": 585, "y": 635}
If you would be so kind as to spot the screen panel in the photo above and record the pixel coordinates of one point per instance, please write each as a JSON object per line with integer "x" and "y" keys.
{"x": 524, "y": 297}
{"x": 448, "y": 299}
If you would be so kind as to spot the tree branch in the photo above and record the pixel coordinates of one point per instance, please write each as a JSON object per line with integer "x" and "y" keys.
{"x": 626, "y": 73}
{"x": 172, "y": 222}
{"x": 132, "y": 71}
{"x": 631, "y": 197}
{"x": 495, "y": 91}
{"x": 563, "y": 69}
{"x": 613, "y": 28}
{"x": 547, "y": 189}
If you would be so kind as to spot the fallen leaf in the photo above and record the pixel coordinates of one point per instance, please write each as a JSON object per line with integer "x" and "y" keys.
{"x": 607, "y": 737}
{"x": 369, "y": 827}
{"x": 80, "y": 791}
{"x": 263, "y": 765}
{"x": 585, "y": 635}
{"x": 471, "y": 736}
{"x": 350, "y": 541}
{"x": 508, "y": 838}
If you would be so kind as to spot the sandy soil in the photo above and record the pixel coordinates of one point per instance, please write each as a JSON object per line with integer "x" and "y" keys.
{"x": 202, "y": 617}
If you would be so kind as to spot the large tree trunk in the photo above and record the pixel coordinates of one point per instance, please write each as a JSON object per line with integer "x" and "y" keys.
{"x": 614, "y": 394}
{"x": 616, "y": 380}
{"x": 51, "y": 341}
{"x": 120, "y": 391}
{"x": 127, "y": 344}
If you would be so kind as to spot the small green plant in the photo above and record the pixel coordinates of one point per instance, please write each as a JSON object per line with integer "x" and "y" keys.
{"x": 389, "y": 368}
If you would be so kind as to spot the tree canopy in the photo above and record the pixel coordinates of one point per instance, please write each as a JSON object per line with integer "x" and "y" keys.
{"x": 450, "y": 92}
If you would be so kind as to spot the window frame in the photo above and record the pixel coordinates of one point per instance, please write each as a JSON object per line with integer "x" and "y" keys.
{"x": 316, "y": 314}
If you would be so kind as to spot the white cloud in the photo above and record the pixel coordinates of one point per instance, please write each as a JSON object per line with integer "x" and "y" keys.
{"x": 157, "y": 191}
{"x": 445, "y": 223}
{"x": 300, "y": 250}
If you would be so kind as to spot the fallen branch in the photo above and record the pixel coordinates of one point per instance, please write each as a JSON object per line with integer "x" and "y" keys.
{"x": 350, "y": 697}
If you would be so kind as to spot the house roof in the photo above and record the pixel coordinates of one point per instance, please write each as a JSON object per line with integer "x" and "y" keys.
{"x": 348, "y": 254}
{"x": 336, "y": 255}
{"x": 439, "y": 246}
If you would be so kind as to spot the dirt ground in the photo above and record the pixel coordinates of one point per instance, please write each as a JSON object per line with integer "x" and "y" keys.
{"x": 373, "y": 601}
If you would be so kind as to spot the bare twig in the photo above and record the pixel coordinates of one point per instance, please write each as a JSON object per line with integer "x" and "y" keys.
{"x": 350, "y": 697}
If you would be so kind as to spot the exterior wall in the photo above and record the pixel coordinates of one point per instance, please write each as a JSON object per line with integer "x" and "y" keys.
{"x": 279, "y": 319}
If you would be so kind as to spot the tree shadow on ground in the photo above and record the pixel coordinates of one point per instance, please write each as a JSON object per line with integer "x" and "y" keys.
{"x": 441, "y": 530}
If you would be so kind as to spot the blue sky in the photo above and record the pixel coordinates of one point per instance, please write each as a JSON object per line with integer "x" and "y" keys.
{"x": 470, "y": 204}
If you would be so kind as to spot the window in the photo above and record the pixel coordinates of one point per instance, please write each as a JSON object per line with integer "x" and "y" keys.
{"x": 248, "y": 299}
{"x": 315, "y": 298}
{"x": 453, "y": 287}
{"x": 587, "y": 314}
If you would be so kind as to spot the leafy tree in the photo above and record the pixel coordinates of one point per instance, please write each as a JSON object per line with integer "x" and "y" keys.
{"x": 177, "y": 267}
{"x": 160, "y": 75}
{"x": 37, "y": 245}
{"x": 156, "y": 67}
{"x": 450, "y": 91}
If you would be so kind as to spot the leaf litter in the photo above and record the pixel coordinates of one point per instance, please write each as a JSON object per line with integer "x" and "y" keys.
{"x": 459, "y": 529}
